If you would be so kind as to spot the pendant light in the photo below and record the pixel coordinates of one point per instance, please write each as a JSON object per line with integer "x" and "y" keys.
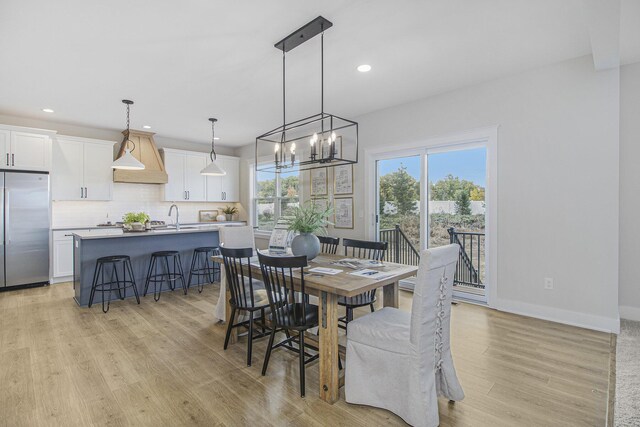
{"x": 213, "y": 169}
{"x": 127, "y": 161}
{"x": 318, "y": 141}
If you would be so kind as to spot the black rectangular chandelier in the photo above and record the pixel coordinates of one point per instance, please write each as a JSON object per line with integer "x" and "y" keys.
{"x": 317, "y": 141}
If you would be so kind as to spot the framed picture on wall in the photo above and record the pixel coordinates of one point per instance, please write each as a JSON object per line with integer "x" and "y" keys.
{"x": 343, "y": 179}
{"x": 207, "y": 216}
{"x": 343, "y": 212}
{"x": 319, "y": 182}
{"x": 321, "y": 204}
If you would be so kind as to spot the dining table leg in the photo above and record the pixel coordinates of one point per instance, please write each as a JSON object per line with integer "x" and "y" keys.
{"x": 227, "y": 310}
{"x": 328, "y": 315}
{"x": 390, "y": 295}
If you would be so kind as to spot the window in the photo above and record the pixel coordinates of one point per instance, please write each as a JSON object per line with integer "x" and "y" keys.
{"x": 273, "y": 195}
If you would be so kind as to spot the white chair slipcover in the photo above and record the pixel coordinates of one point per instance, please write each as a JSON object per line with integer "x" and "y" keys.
{"x": 402, "y": 361}
{"x": 235, "y": 238}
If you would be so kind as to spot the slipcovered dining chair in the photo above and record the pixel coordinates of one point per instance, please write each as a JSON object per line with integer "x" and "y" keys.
{"x": 233, "y": 237}
{"x": 361, "y": 249}
{"x": 402, "y": 361}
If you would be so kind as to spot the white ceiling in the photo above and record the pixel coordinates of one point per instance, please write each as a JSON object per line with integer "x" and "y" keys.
{"x": 182, "y": 62}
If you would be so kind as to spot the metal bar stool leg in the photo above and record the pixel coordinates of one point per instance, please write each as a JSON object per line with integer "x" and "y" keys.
{"x": 134, "y": 285}
{"x": 96, "y": 274}
{"x": 193, "y": 264}
{"x": 120, "y": 290}
{"x": 156, "y": 294}
{"x": 172, "y": 283}
{"x": 148, "y": 279}
{"x": 181, "y": 271}
{"x": 110, "y": 291}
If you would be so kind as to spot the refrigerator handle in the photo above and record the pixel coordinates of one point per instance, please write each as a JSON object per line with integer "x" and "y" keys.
{"x": 7, "y": 220}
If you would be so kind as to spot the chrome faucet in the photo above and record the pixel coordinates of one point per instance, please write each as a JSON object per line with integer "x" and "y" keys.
{"x": 177, "y": 215}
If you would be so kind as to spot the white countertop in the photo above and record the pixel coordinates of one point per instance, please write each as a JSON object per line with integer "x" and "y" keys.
{"x": 116, "y": 234}
{"x": 111, "y": 227}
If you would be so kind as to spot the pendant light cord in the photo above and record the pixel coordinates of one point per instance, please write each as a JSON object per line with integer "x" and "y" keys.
{"x": 128, "y": 104}
{"x": 213, "y": 140}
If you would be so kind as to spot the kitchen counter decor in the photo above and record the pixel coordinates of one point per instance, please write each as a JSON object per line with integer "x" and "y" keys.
{"x": 135, "y": 221}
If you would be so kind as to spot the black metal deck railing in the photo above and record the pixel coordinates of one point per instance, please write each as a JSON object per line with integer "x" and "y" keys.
{"x": 470, "y": 268}
{"x": 469, "y": 271}
{"x": 400, "y": 248}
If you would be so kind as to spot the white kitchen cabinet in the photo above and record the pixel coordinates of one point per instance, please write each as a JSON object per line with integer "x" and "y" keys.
{"x": 30, "y": 151}
{"x": 62, "y": 254}
{"x": 82, "y": 169}
{"x": 195, "y": 182}
{"x": 98, "y": 174}
{"x": 225, "y": 188}
{"x": 5, "y": 143}
{"x": 25, "y": 148}
{"x": 185, "y": 181}
{"x": 63, "y": 258}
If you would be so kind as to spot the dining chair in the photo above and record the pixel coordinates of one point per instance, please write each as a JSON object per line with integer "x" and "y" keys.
{"x": 361, "y": 249}
{"x": 402, "y": 361}
{"x": 329, "y": 244}
{"x": 244, "y": 295}
{"x": 290, "y": 311}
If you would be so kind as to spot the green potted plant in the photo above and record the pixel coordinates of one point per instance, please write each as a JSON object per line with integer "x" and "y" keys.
{"x": 308, "y": 219}
{"x": 229, "y": 212}
{"x": 135, "y": 220}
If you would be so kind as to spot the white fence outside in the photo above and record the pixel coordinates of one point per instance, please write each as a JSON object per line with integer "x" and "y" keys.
{"x": 441, "y": 206}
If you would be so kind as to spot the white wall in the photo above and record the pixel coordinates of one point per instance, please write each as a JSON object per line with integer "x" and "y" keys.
{"x": 630, "y": 192}
{"x": 557, "y": 146}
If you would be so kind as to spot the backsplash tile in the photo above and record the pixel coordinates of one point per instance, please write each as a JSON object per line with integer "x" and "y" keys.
{"x": 126, "y": 198}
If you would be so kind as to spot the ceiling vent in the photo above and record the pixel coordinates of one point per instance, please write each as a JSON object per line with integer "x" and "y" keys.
{"x": 147, "y": 153}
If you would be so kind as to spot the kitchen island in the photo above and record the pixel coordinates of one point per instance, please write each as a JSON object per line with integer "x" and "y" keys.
{"x": 89, "y": 246}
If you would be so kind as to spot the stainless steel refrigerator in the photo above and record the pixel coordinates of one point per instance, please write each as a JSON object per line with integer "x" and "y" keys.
{"x": 24, "y": 230}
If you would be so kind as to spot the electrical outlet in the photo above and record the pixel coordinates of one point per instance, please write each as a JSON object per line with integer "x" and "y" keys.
{"x": 548, "y": 283}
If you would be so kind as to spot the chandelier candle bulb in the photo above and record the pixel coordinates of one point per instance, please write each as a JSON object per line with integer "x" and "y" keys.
{"x": 293, "y": 153}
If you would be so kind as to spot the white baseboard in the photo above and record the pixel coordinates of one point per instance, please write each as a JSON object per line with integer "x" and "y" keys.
{"x": 630, "y": 313}
{"x": 573, "y": 318}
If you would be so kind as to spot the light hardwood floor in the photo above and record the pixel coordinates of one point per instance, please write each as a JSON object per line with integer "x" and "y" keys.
{"x": 163, "y": 364}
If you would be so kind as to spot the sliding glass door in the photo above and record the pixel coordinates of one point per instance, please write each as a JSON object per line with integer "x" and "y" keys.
{"x": 434, "y": 197}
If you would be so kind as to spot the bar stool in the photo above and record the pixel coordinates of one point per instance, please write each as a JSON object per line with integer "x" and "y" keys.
{"x": 160, "y": 260}
{"x": 202, "y": 267}
{"x": 107, "y": 287}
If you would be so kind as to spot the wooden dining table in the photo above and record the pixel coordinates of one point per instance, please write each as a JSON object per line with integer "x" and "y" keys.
{"x": 328, "y": 288}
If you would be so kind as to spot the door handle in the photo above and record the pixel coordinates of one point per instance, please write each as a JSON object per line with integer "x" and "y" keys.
{"x": 13, "y": 159}
{"x": 81, "y": 193}
{"x": 185, "y": 195}
{"x": 7, "y": 159}
{"x": 188, "y": 195}
{"x": 85, "y": 192}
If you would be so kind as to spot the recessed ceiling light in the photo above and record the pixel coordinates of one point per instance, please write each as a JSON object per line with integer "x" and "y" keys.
{"x": 216, "y": 138}
{"x": 364, "y": 68}
{"x": 47, "y": 110}
{"x": 146, "y": 127}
